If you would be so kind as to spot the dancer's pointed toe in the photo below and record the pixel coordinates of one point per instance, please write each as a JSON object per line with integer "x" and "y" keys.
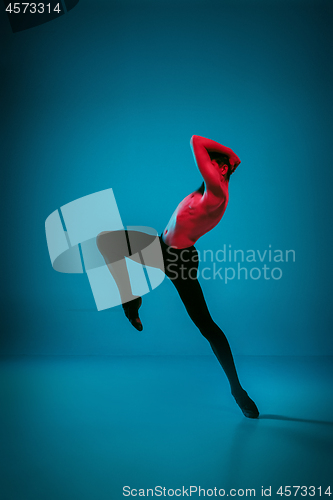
{"x": 245, "y": 403}
{"x": 131, "y": 311}
{"x": 137, "y": 324}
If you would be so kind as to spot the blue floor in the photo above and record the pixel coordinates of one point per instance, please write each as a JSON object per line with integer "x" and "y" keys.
{"x": 84, "y": 427}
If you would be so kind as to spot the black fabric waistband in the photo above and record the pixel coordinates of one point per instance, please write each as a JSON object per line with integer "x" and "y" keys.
{"x": 174, "y": 250}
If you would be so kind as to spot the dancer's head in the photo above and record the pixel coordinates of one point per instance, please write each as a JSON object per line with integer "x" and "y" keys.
{"x": 222, "y": 162}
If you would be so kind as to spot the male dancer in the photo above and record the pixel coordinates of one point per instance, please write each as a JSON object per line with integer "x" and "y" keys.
{"x": 197, "y": 214}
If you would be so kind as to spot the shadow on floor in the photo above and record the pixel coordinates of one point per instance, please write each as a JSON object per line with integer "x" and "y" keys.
{"x": 294, "y": 419}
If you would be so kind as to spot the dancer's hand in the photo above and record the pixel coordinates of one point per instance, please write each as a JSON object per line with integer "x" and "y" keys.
{"x": 131, "y": 311}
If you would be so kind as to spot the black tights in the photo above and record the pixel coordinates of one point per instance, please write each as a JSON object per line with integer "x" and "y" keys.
{"x": 181, "y": 267}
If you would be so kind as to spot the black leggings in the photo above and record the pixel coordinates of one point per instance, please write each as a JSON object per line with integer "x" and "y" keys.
{"x": 181, "y": 267}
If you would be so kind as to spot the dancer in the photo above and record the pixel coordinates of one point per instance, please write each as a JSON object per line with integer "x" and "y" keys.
{"x": 197, "y": 214}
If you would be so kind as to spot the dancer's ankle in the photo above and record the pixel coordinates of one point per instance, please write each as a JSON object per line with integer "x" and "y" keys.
{"x": 237, "y": 391}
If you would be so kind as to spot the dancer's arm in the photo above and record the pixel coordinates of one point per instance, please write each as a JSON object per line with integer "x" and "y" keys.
{"x": 200, "y": 147}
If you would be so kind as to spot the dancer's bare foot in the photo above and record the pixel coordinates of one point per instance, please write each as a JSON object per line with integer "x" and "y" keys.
{"x": 131, "y": 310}
{"x": 248, "y": 407}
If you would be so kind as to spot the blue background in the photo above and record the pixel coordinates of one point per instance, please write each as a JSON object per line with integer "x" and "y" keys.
{"x": 109, "y": 95}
